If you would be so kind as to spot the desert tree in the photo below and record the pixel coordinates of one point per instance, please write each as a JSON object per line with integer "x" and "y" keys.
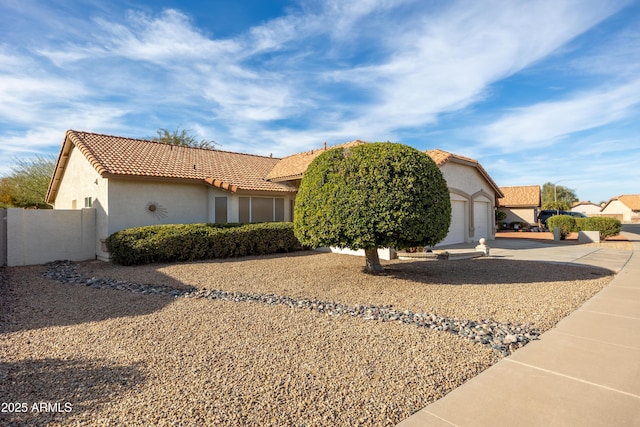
{"x": 557, "y": 197}
{"x": 27, "y": 184}
{"x": 182, "y": 137}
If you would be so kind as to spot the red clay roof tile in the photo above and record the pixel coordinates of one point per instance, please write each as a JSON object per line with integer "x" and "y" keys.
{"x": 294, "y": 166}
{"x": 115, "y": 156}
{"x": 520, "y": 196}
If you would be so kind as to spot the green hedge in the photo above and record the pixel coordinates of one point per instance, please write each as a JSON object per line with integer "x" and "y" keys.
{"x": 189, "y": 242}
{"x": 565, "y": 223}
{"x": 606, "y": 226}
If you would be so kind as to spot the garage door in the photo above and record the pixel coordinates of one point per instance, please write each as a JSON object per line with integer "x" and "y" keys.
{"x": 481, "y": 220}
{"x": 456, "y": 229}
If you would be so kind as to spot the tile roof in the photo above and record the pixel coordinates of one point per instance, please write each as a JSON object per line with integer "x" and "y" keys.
{"x": 632, "y": 201}
{"x": 114, "y": 156}
{"x": 520, "y": 196}
{"x": 294, "y": 166}
{"x": 585, "y": 203}
{"x": 441, "y": 157}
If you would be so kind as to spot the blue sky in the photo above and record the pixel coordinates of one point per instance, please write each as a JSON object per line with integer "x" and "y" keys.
{"x": 537, "y": 91}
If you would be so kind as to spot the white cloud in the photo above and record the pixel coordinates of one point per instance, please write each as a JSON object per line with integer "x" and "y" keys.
{"x": 327, "y": 71}
{"x": 26, "y": 99}
{"x": 544, "y": 123}
{"x": 450, "y": 58}
{"x": 167, "y": 38}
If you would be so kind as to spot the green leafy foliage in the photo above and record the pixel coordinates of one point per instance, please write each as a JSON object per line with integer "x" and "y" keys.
{"x": 370, "y": 196}
{"x": 607, "y": 227}
{"x": 565, "y": 223}
{"x": 27, "y": 185}
{"x": 557, "y": 197}
{"x": 189, "y": 242}
{"x": 181, "y": 137}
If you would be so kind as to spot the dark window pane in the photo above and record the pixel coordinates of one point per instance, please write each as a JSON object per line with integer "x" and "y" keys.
{"x": 261, "y": 209}
{"x": 244, "y": 210}
{"x": 279, "y": 210}
{"x": 221, "y": 210}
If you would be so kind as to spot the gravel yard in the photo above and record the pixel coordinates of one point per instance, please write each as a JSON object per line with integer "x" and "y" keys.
{"x": 122, "y": 358}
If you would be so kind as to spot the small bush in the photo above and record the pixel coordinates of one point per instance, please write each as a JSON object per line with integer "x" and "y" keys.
{"x": 565, "y": 223}
{"x": 607, "y": 227}
{"x": 189, "y": 242}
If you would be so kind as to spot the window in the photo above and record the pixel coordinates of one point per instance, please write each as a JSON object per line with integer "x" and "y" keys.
{"x": 221, "y": 210}
{"x": 261, "y": 209}
{"x": 278, "y": 210}
{"x": 87, "y": 202}
{"x": 245, "y": 207}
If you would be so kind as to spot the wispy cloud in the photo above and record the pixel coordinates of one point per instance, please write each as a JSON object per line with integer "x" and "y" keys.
{"x": 322, "y": 71}
{"x": 542, "y": 124}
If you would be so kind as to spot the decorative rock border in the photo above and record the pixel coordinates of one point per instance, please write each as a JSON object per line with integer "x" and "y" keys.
{"x": 504, "y": 338}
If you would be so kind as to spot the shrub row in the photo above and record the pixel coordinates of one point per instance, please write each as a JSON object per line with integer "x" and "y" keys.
{"x": 565, "y": 223}
{"x": 606, "y": 226}
{"x": 189, "y": 242}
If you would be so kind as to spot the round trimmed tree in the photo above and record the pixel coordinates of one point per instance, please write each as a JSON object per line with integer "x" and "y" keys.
{"x": 372, "y": 196}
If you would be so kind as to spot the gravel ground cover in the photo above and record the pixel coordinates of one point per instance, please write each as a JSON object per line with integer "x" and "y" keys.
{"x": 124, "y": 358}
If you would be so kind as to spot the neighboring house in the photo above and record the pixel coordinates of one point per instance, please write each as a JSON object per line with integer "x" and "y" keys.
{"x": 132, "y": 182}
{"x": 586, "y": 208}
{"x": 474, "y": 197}
{"x": 520, "y": 203}
{"x": 626, "y": 207}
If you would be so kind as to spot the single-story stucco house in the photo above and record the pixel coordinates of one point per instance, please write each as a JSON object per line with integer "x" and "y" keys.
{"x": 587, "y": 208}
{"x": 520, "y": 203}
{"x": 132, "y": 182}
{"x": 626, "y": 207}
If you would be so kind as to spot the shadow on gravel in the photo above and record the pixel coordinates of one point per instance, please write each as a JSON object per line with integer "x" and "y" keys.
{"x": 265, "y": 258}
{"x": 30, "y": 301}
{"x": 481, "y": 271}
{"x": 54, "y": 389}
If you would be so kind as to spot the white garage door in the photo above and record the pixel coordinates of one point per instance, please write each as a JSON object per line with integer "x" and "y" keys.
{"x": 456, "y": 229}
{"x": 481, "y": 220}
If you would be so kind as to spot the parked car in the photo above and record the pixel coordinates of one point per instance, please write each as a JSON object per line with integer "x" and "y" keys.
{"x": 575, "y": 214}
{"x": 544, "y": 215}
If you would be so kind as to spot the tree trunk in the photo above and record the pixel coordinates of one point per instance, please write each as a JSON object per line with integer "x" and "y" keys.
{"x": 373, "y": 261}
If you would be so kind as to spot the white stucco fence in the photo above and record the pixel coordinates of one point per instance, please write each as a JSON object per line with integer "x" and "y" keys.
{"x": 39, "y": 236}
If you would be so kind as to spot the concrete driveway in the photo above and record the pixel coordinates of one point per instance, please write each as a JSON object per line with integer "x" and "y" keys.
{"x": 583, "y": 372}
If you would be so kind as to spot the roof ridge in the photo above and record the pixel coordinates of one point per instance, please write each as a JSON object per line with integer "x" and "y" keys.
{"x": 173, "y": 145}
{"x": 324, "y": 148}
{"x": 86, "y": 151}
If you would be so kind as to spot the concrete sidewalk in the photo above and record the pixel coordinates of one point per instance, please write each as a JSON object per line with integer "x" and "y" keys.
{"x": 583, "y": 372}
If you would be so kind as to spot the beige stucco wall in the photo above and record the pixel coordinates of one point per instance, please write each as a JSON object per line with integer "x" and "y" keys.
{"x": 527, "y": 215}
{"x": 466, "y": 178}
{"x": 587, "y": 209}
{"x": 467, "y": 184}
{"x": 39, "y": 236}
{"x": 619, "y": 208}
{"x": 81, "y": 180}
{"x": 176, "y": 203}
